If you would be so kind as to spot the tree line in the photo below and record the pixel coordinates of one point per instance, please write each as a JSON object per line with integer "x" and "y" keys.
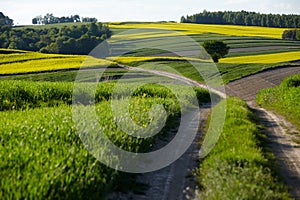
{"x": 49, "y": 18}
{"x": 5, "y": 20}
{"x": 76, "y": 39}
{"x": 244, "y": 18}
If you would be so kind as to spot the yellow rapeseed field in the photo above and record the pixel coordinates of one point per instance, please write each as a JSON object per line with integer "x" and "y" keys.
{"x": 266, "y": 58}
{"x": 192, "y": 29}
{"x": 37, "y": 62}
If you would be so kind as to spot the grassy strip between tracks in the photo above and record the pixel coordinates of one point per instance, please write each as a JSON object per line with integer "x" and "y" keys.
{"x": 284, "y": 99}
{"x": 238, "y": 167}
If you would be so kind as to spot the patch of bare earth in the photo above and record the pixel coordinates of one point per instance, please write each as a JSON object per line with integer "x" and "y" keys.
{"x": 282, "y": 136}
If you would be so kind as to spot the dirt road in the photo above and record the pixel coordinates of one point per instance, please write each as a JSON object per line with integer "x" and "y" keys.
{"x": 176, "y": 181}
{"x": 248, "y": 87}
{"x": 280, "y": 133}
{"x": 171, "y": 182}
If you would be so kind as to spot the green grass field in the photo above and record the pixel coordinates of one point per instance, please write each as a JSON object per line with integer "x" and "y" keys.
{"x": 284, "y": 99}
{"x": 44, "y": 158}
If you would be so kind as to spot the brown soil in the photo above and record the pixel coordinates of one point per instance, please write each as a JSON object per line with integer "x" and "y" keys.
{"x": 248, "y": 87}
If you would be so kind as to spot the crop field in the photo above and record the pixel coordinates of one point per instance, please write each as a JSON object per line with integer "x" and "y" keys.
{"x": 26, "y": 62}
{"x": 195, "y": 29}
{"x": 252, "y": 49}
{"x": 71, "y": 75}
{"x": 284, "y": 99}
{"x": 238, "y": 166}
{"x": 236, "y": 37}
{"x": 45, "y": 158}
{"x": 266, "y": 58}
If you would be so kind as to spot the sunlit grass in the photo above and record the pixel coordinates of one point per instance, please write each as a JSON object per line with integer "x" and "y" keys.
{"x": 237, "y": 167}
{"x": 284, "y": 99}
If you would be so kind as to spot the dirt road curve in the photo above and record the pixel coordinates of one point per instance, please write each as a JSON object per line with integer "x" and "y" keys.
{"x": 248, "y": 87}
{"x": 276, "y": 127}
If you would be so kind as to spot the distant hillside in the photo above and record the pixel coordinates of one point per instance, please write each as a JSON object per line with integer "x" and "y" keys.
{"x": 244, "y": 18}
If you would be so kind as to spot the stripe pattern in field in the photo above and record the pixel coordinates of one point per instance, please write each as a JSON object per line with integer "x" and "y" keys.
{"x": 192, "y": 29}
{"x": 27, "y": 62}
{"x": 248, "y": 87}
{"x": 267, "y": 58}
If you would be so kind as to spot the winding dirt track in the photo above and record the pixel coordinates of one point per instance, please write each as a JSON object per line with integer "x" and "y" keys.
{"x": 170, "y": 183}
{"x": 276, "y": 127}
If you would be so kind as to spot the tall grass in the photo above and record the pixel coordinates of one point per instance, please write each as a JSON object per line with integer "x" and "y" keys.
{"x": 284, "y": 99}
{"x": 42, "y": 158}
{"x": 16, "y": 95}
{"x": 237, "y": 167}
{"x": 41, "y": 155}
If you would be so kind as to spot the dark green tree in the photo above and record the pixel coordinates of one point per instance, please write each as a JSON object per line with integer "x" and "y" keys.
{"x": 244, "y": 18}
{"x": 216, "y": 49}
{"x": 5, "y": 21}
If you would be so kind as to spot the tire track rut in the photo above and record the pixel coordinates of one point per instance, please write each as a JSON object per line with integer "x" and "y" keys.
{"x": 276, "y": 128}
{"x": 167, "y": 185}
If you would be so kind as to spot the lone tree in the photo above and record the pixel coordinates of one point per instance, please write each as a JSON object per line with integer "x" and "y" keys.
{"x": 216, "y": 49}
